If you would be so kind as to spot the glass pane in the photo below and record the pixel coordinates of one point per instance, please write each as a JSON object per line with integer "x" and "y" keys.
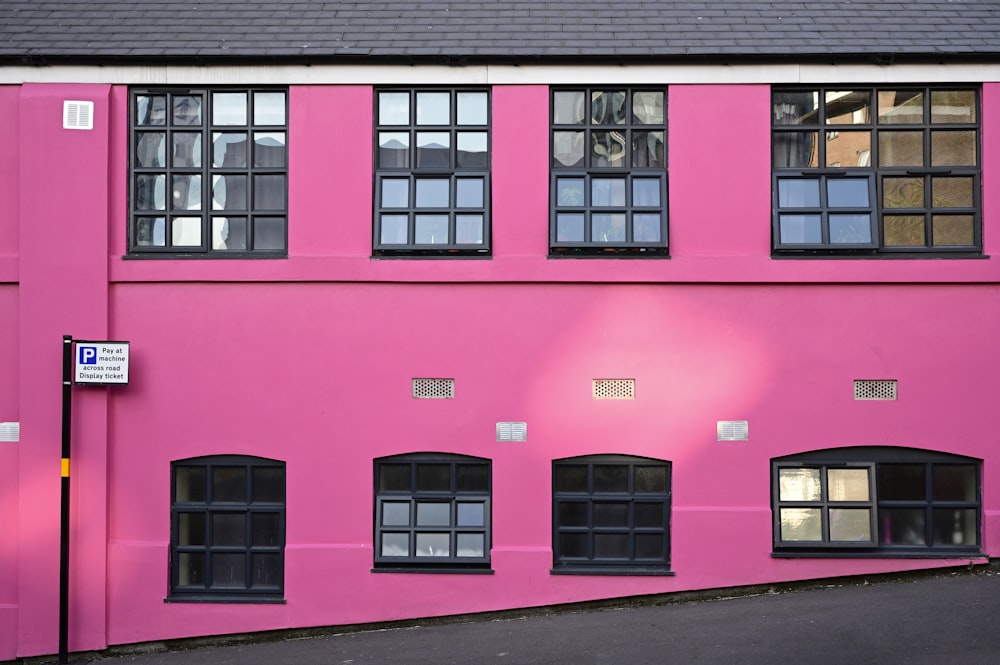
{"x": 953, "y": 148}
{"x": 573, "y": 545}
{"x": 229, "y": 570}
{"x": 473, "y": 478}
{"x": 187, "y": 110}
{"x": 847, "y": 485}
{"x": 469, "y": 229}
{"x": 186, "y": 192}
{"x": 393, "y": 229}
{"x": 951, "y": 192}
{"x": 229, "y": 108}
{"x": 954, "y": 482}
{"x": 610, "y": 478}
{"x": 848, "y": 148}
{"x": 801, "y": 524}
{"x": 190, "y": 569}
{"x": 471, "y": 545}
{"x": 393, "y": 150}
{"x": 266, "y": 571}
{"x": 191, "y": 529}
{"x": 229, "y": 150}
{"x": 850, "y": 229}
{"x": 395, "y": 544}
{"x": 189, "y": 483}
{"x": 433, "y": 514}
{"x": 393, "y": 108}
{"x": 904, "y": 231}
{"x": 798, "y": 193}
{"x": 433, "y": 544}
{"x": 799, "y": 485}
{"x": 396, "y": 513}
{"x": 472, "y": 108}
{"x": 268, "y": 484}
{"x": 608, "y": 228}
{"x": 569, "y": 192}
{"x": 607, "y": 149}
{"x": 571, "y": 478}
{"x": 610, "y": 545}
{"x": 647, "y": 149}
{"x": 611, "y": 514}
{"x": 569, "y": 227}
{"x": 269, "y": 108}
{"x": 471, "y": 514}
{"x": 647, "y": 107}
{"x": 150, "y": 149}
{"x": 900, "y": 106}
{"x": 901, "y": 526}
{"x": 903, "y": 192}
{"x": 848, "y": 107}
{"x": 645, "y": 228}
{"x": 150, "y": 232}
{"x": 433, "y": 478}
{"x": 901, "y": 148}
{"x": 433, "y": 149}
{"x": 573, "y": 513}
{"x": 902, "y": 482}
{"x": 608, "y": 107}
{"x": 268, "y": 192}
{"x": 394, "y": 477}
{"x": 646, "y": 192}
{"x": 955, "y": 526}
{"x": 433, "y": 108}
{"x": 432, "y": 193}
{"x": 430, "y": 229}
{"x": 847, "y": 192}
{"x": 269, "y": 149}
{"x": 953, "y": 106}
{"x": 607, "y": 192}
{"x": 395, "y": 193}
{"x": 186, "y": 232}
{"x": 953, "y": 230}
{"x": 851, "y": 525}
{"x": 649, "y": 546}
{"x": 266, "y": 529}
{"x": 269, "y": 233}
{"x": 187, "y": 149}
{"x": 650, "y": 479}
{"x": 229, "y": 529}
{"x": 567, "y": 149}
{"x": 472, "y": 150}
{"x": 648, "y": 515}
{"x": 794, "y": 150}
{"x": 568, "y": 108}
{"x": 469, "y": 193}
{"x": 151, "y": 110}
{"x": 229, "y": 192}
{"x": 229, "y": 483}
{"x": 796, "y": 107}
{"x": 800, "y": 229}
{"x": 150, "y": 192}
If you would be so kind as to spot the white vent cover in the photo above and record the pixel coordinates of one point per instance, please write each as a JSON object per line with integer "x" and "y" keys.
{"x": 434, "y": 388}
{"x": 875, "y": 389}
{"x": 10, "y": 432}
{"x": 512, "y": 431}
{"x": 732, "y": 430}
{"x": 614, "y": 388}
{"x": 78, "y": 115}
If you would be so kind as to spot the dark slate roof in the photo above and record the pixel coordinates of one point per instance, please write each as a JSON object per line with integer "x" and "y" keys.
{"x": 205, "y": 31}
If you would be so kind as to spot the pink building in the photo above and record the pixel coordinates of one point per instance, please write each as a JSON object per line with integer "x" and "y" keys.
{"x": 424, "y": 328}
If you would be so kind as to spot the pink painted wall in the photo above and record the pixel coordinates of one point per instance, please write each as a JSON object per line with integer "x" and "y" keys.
{"x": 309, "y": 360}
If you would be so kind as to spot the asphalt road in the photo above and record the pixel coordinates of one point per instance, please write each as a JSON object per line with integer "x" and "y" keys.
{"x": 950, "y": 619}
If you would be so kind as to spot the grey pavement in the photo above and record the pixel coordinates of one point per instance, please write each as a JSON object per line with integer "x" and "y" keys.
{"x": 942, "y": 619}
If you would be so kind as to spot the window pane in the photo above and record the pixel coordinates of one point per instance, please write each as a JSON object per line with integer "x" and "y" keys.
{"x": 567, "y": 149}
{"x": 954, "y": 482}
{"x": 394, "y": 477}
{"x": 573, "y": 545}
{"x": 471, "y": 514}
{"x": 150, "y": 232}
{"x": 150, "y": 149}
{"x": 433, "y": 544}
{"x": 647, "y": 107}
{"x": 608, "y": 107}
{"x": 469, "y": 229}
{"x": 607, "y": 192}
{"x": 472, "y": 108}
{"x": 850, "y": 229}
{"x": 569, "y": 227}
{"x": 469, "y": 193}
{"x": 955, "y": 526}
{"x": 901, "y": 148}
{"x": 430, "y": 229}
{"x": 794, "y": 150}
{"x": 150, "y": 192}
{"x": 433, "y": 149}
{"x": 393, "y": 150}
{"x": 229, "y": 483}
{"x": 800, "y": 229}
{"x": 186, "y": 150}
{"x": 268, "y": 192}
{"x": 229, "y": 529}
{"x": 568, "y": 108}
{"x": 610, "y": 478}
{"x": 433, "y": 478}
{"x": 471, "y": 545}
{"x": 189, "y": 484}
{"x": 648, "y": 515}
{"x": 472, "y": 150}
{"x": 571, "y": 478}
{"x": 266, "y": 571}
{"x": 850, "y": 525}
{"x": 229, "y": 570}
{"x": 395, "y": 193}
{"x": 650, "y": 479}
{"x": 229, "y": 192}
{"x": 798, "y": 485}
{"x": 229, "y": 150}
{"x": 608, "y": 228}
{"x": 190, "y": 569}
{"x": 953, "y": 106}
{"x": 796, "y": 107}
{"x": 191, "y": 529}
{"x": 569, "y": 192}
{"x": 953, "y": 230}
{"x": 648, "y": 149}
{"x": 902, "y": 482}
{"x": 951, "y": 192}
{"x": 847, "y": 192}
{"x": 645, "y": 228}
{"x": 186, "y": 192}
{"x": 396, "y": 513}
{"x": 801, "y": 524}
{"x": 432, "y": 193}
{"x": 903, "y": 192}
{"x": 610, "y": 546}
{"x": 395, "y": 544}
{"x": 900, "y": 106}
{"x": 229, "y": 108}
{"x": 902, "y": 526}
{"x": 393, "y": 108}
{"x": 266, "y": 530}
{"x": 186, "y": 232}
{"x": 573, "y": 513}
{"x": 611, "y": 514}
{"x": 848, "y": 107}
{"x": 268, "y": 484}
{"x": 433, "y": 108}
{"x": 848, "y": 148}
{"x": 433, "y": 514}
{"x": 393, "y": 229}
{"x": 187, "y": 110}
{"x": 798, "y": 193}
{"x": 269, "y": 233}
{"x": 904, "y": 231}
{"x": 269, "y": 149}
{"x": 472, "y": 478}
{"x": 953, "y": 148}
{"x": 607, "y": 149}
{"x": 269, "y": 108}
{"x": 649, "y": 546}
{"x": 151, "y": 110}
{"x": 646, "y": 192}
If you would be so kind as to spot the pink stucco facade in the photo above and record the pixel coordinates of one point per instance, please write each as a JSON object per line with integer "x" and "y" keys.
{"x": 309, "y": 359}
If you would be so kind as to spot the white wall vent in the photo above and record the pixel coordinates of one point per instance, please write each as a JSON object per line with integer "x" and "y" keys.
{"x": 434, "y": 388}
{"x": 78, "y": 115}
{"x": 512, "y": 431}
{"x": 10, "y": 432}
{"x": 875, "y": 389}
{"x": 613, "y": 388}
{"x": 732, "y": 430}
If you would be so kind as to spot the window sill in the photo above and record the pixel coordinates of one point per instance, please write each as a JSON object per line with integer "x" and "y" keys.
{"x": 230, "y": 599}
{"x": 442, "y": 570}
{"x": 884, "y": 554}
{"x": 612, "y": 570}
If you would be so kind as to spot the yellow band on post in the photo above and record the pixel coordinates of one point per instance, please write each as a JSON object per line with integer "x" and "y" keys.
{"x": 65, "y": 467}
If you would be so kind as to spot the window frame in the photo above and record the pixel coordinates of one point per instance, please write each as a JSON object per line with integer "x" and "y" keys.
{"x": 248, "y": 216}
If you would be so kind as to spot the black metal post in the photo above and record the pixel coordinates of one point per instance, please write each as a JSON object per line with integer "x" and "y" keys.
{"x": 67, "y": 410}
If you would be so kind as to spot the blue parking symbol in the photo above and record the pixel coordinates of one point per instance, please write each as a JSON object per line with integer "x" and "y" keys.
{"x": 88, "y": 355}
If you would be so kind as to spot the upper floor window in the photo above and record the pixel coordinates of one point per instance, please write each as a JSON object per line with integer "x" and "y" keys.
{"x": 609, "y": 171}
{"x": 876, "y": 171}
{"x": 432, "y": 172}
{"x": 209, "y": 172}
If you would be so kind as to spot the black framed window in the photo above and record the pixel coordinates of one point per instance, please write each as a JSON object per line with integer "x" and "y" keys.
{"x": 876, "y": 170}
{"x": 209, "y": 172}
{"x": 227, "y": 529}
{"x": 432, "y": 171}
{"x": 432, "y": 512}
{"x": 611, "y": 515}
{"x": 609, "y": 171}
{"x": 876, "y": 501}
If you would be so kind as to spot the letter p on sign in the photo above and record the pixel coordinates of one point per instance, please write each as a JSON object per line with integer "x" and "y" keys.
{"x": 88, "y": 355}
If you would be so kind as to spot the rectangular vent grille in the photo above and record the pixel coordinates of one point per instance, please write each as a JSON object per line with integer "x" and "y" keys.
{"x": 78, "y": 115}
{"x": 875, "y": 389}
{"x": 434, "y": 388}
{"x": 614, "y": 388}
{"x": 10, "y": 432}
{"x": 512, "y": 431}
{"x": 732, "y": 430}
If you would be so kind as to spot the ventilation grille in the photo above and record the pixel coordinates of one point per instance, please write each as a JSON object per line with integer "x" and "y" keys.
{"x": 732, "y": 430}
{"x": 78, "y": 115}
{"x": 512, "y": 431}
{"x": 614, "y": 388}
{"x": 434, "y": 388}
{"x": 875, "y": 389}
{"x": 10, "y": 432}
